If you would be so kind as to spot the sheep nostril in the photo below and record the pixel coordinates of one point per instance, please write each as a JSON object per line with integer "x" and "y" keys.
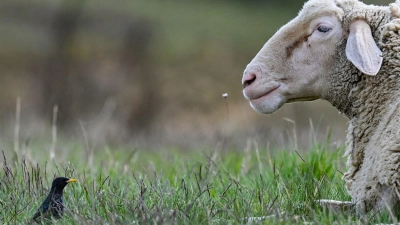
{"x": 249, "y": 80}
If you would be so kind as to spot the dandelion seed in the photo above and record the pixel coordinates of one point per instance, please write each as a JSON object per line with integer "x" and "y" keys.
{"x": 225, "y": 95}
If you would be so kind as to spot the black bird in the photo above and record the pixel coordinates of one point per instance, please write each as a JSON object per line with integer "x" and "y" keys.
{"x": 53, "y": 205}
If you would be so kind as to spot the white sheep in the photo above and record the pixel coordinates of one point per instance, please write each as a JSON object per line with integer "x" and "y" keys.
{"x": 347, "y": 53}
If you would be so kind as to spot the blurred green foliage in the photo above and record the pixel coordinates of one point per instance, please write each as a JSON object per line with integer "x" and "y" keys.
{"x": 137, "y": 66}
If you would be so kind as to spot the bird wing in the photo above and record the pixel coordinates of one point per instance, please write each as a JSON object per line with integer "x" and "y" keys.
{"x": 43, "y": 210}
{"x": 39, "y": 216}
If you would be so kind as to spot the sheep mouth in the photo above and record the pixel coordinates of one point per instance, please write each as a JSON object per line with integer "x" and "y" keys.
{"x": 256, "y": 96}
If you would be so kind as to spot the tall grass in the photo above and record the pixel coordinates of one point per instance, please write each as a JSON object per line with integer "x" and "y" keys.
{"x": 126, "y": 186}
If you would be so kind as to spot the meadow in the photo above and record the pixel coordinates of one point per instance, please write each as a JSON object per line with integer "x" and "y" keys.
{"x": 120, "y": 185}
{"x": 210, "y": 43}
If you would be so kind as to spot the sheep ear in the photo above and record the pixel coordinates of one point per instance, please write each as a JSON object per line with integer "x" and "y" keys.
{"x": 362, "y": 50}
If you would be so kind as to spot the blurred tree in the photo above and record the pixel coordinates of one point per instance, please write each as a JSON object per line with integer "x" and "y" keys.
{"x": 60, "y": 83}
{"x": 135, "y": 61}
{"x": 68, "y": 82}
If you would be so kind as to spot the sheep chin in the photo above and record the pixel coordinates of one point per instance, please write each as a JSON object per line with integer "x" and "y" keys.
{"x": 268, "y": 103}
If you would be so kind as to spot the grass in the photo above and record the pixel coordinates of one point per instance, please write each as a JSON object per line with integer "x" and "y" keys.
{"x": 127, "y": 186}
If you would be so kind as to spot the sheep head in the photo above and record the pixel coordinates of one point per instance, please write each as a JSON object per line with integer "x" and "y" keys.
{"x": 298, "y": 63}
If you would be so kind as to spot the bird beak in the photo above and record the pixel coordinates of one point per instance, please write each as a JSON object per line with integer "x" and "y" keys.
{"x": 71, "y": 180}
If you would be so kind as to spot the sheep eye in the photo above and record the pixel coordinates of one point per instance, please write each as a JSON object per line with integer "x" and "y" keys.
{"x": 323, "y": 29}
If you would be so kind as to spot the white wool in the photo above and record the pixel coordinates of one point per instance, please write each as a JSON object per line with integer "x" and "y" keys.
{"x": 395, "y": 8}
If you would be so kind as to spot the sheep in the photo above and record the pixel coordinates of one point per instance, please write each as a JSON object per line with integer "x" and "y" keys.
{"x": 347, "y": 53}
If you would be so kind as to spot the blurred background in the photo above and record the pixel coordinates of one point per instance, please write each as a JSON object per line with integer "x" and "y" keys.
{"x": 148, "y": 73}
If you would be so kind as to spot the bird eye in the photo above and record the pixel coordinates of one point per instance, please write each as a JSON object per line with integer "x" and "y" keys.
{"x": 323, "y": 29}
